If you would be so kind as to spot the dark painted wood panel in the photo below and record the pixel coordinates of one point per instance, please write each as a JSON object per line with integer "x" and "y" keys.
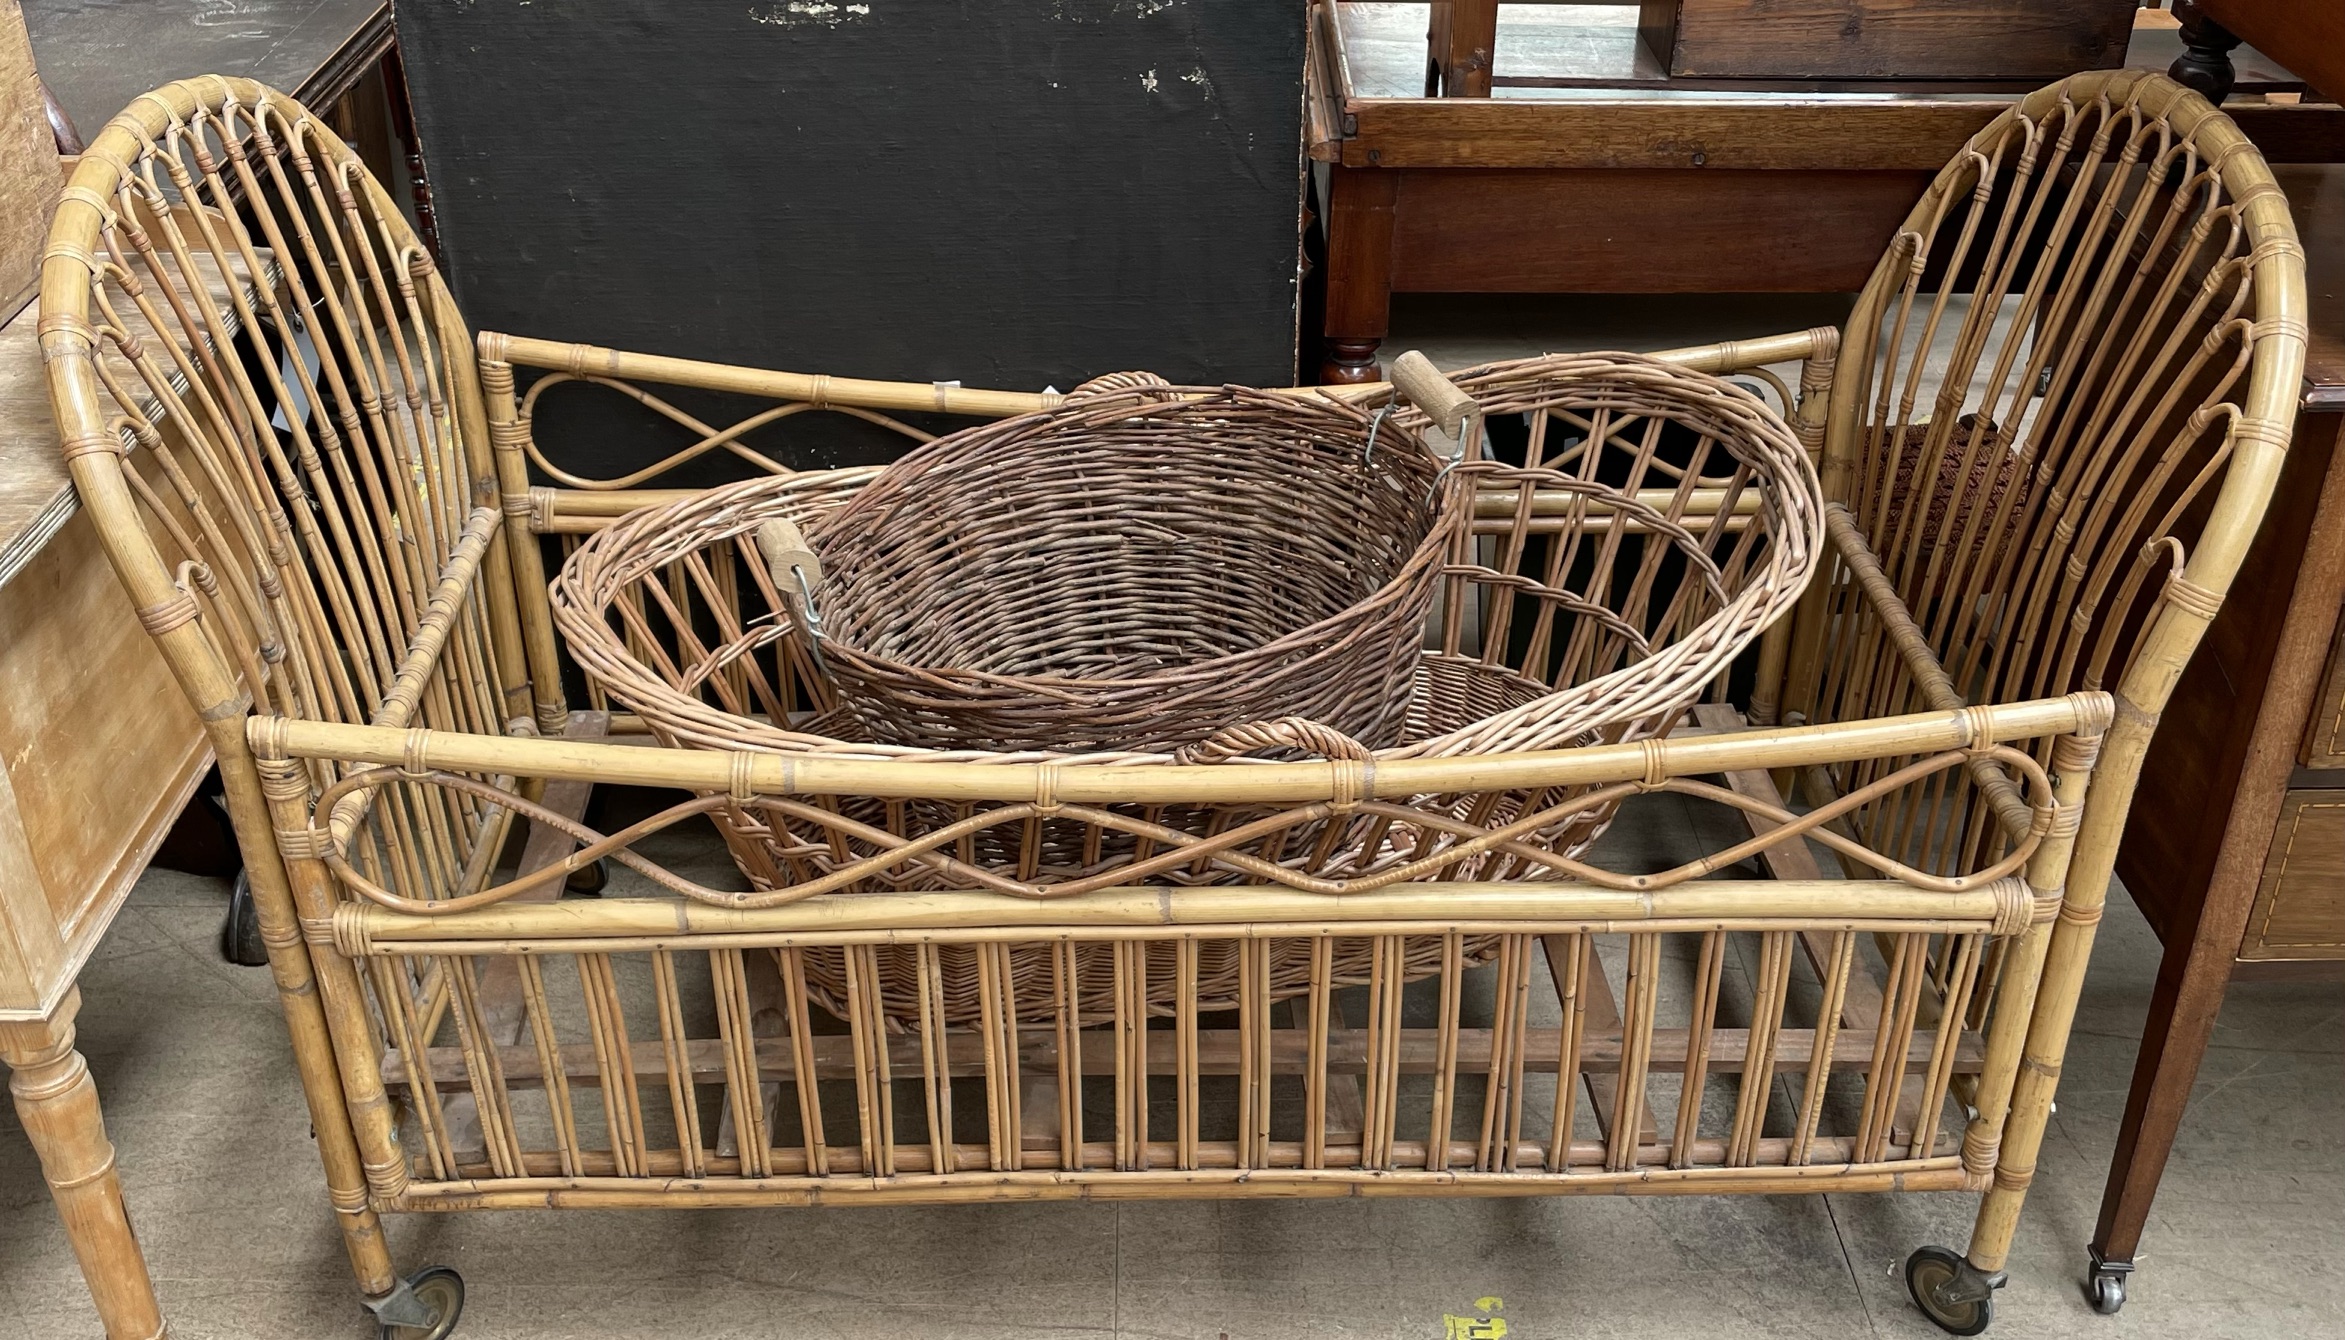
{"x": 99, "y": 54}
{"x": 1012, "y": 194}
{"x": 1594, "y": 232}
{"x": 2018, "y": 40}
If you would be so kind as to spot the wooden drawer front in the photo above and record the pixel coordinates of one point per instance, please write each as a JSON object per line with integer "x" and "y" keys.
{"x": 2324, "y": 734}
{"x": 2016, "y": 40}
{"x": 2300, "y": 909}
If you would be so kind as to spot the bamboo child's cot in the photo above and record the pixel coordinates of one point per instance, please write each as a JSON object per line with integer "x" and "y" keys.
{"x": 2047, "y": 435}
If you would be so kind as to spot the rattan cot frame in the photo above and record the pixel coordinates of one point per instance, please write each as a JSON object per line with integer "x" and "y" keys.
{"x": 470, "y": 652}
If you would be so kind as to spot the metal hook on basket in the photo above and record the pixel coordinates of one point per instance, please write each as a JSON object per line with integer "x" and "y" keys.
{"x": 792, "y": 563}
{"x": 1375, "y": 426}
{"x": 1441, "y": 477}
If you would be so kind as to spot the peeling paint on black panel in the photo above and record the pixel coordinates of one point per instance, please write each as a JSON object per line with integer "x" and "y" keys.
{"x": 1013, "y": 193}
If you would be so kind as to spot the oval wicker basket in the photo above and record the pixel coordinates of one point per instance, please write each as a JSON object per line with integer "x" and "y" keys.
{"x": 1137, "y": 570}
{"x": 1668, "y": 519}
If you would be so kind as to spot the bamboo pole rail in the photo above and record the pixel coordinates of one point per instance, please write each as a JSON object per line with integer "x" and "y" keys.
{"x": 1782, "y": 747}
{"x": 586, "y": 509}
{"x": 585, "y": 360}
{"x": 1213, "y": 1052}
{"x": 1290, "y": 1184}
{"x": 1222, "y": 911}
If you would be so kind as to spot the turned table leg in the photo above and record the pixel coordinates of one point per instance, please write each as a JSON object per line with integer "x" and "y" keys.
{"x": 1359, "y": 272}
{"x": 2205, "y": 62}
{"x": 58, "y": 1104}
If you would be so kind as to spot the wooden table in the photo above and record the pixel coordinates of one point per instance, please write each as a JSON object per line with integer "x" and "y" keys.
{"x": 1617, "y": 192}
{"x": 2308, "y": 36}
{"x": 82, "y": 689}
{"x": 96, "y": 55}
{"x": 2235, "y": 851}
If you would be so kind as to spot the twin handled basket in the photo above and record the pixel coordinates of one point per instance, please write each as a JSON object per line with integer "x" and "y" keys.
{"x": 1193, "y": 575}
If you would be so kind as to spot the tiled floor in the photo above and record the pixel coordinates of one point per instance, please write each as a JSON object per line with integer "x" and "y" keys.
{"x": 190, "y": 1056}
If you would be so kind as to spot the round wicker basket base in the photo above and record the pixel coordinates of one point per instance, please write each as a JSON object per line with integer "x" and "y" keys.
{"x": 1448, "y": 693}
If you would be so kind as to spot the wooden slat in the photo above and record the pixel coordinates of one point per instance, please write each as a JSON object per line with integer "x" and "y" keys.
{"x": 2036, "y": 41}
{"x": 548, "y": 844}
{"x": 1347, "y": 1111}
{"x": 1603, "y": 1018}
{"x": 1792, "y": 859}
{"x": 1463, "y": 230}
{"x": 504, "y": 1015}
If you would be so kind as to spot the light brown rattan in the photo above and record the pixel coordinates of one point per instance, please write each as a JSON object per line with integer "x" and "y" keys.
{"x": 1594, "y": 603}
{"x": 1136, "y": 571}
{"x": 2108, "y": 274}
{"x": 372, "y": 723}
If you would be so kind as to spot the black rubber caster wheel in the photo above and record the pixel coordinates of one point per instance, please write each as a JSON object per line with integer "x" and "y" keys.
{"x": 240, "y": 930}
{"x": 1950, "y": 1291}
{"x": 587, "y": 881}
{"x": 436, "y": 1293}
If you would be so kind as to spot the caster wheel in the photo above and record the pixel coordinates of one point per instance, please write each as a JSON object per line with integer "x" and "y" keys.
{"x": 436, "y": 1293}
{"x": 587, "y": 881}
{"x": 1951, "y": 1291}
{"x": 2104, "y": 1284}
{"x": 240, "y": 930}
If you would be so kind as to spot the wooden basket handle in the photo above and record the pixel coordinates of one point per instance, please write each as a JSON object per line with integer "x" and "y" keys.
{"x": 1415, "y": 377}
{"x": 794, "y": 567}
{"x": 1281, "y": 733}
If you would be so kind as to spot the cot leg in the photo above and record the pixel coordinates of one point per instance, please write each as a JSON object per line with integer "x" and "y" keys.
{"x": 1958, "y": 1292}
{"x": 2039, "y": 1075}
{"x": 58, "y": 1104}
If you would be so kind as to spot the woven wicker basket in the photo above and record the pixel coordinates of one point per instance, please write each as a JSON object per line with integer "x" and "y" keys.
{"x": 1669, "y": 519}
{"x": 1137, "y": 570}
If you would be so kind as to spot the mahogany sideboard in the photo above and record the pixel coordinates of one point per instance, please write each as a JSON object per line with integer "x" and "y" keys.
{"x": 1626, "y": 190}
{"x": 2236, "y": 850}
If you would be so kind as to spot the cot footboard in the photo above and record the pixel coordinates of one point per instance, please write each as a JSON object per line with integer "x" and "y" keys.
{"x": 1572, "y": 1028}
{"x": 1563, "y": 1039}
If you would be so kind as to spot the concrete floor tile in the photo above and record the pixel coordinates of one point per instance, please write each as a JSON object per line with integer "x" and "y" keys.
{"x": 1567, "y": 1266}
